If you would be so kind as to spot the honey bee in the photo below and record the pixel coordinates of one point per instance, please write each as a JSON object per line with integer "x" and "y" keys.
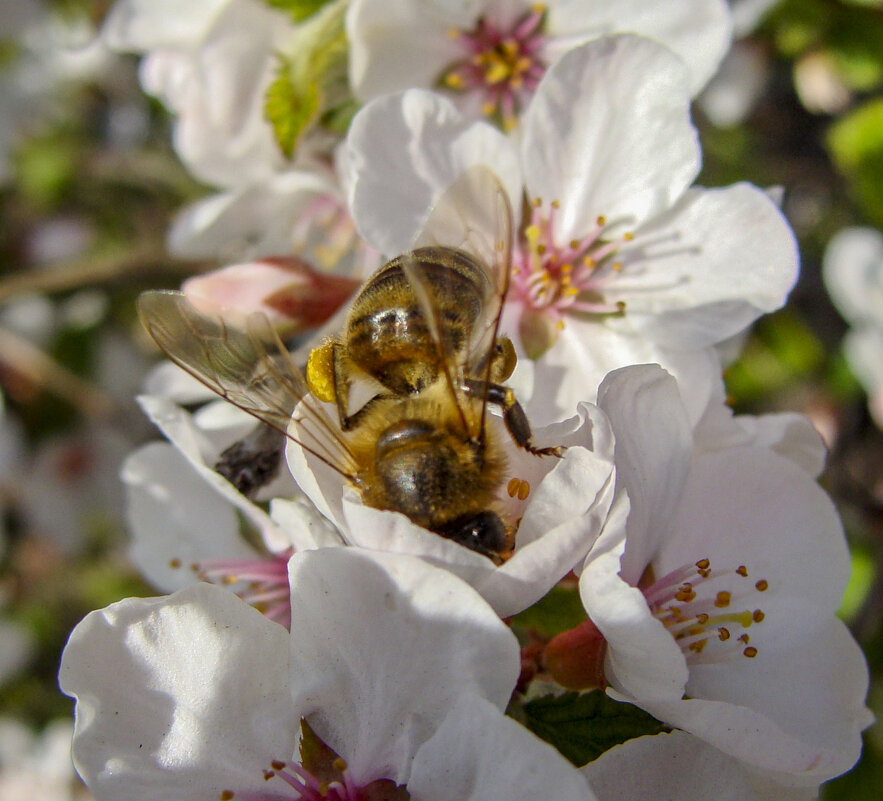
{"x": 421, "y": 340}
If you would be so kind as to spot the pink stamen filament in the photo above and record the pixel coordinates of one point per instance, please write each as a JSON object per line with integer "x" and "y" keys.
{"x": 701, "y": 624}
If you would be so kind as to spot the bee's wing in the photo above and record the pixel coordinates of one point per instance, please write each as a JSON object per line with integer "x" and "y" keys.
{"x": 251, "y": 368}
{"x": 473, "y": 215}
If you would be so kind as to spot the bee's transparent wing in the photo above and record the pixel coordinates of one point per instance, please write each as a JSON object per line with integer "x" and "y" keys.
{"x": 251, "y": 368}
{"x": 473, "y": 215}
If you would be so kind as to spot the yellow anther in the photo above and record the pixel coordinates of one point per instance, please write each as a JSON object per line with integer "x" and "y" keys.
{"x": 541, "y": 249}
{"x": 745, "y": 639}
{"x": 757, "y": 616}
{"x": 590, "y": 262}
{"x": 538, "y": 8}
{"x": 555, "y": 204}
{"x": 750, "y": 652}
{"x": 226, "y": 795}
{"x": 723, "y": 634}
{"x": 512, "y": 487}
{"x": 616, "y": 266}
{"x": 702, "y": 617}
{"x": 510, "y": 46}
{"x": 339, "y": 764}
{"x": 560, "y": 325}
{"x": 175, "y": 563}
{"x": 698, "y": 646}
{"x": 523, "y": 64}
{"x": 742, "y": 570}
{"x": 628, "y": 236}
{"x": 498, "y": 70}
{"x": 488, "y": 109}
{"x": 571, "y": 292}
{"x": 762, "y": 585}
{"x": 277, "y": 764}
{"x": 454, "y": 33}
{"x": 566, "y": 269}
{"x": 532, "y": 233}
{"x": 601, "y": 220}
{"x": 454, "y": 80}
{"x": 536, "y": 202}
{"x": 703, "y": 564}
{"x": 230, "y": 579}
{"x": 620, "y": 305}
{"x": 523, "y": 490}
{"x": 722, "y": 600}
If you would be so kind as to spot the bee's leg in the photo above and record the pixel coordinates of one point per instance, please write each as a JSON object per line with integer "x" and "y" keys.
{"x": 513, "y": 415}
{"x": 340, "y": 369}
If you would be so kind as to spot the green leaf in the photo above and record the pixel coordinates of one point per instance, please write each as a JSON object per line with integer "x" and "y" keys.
{"x": 584, "y": 726}
{"x": 856, "y": 145}
{"x": 298, "y": 9}
{"x": 311, "y": 80}
{"x": 559, "y": 610}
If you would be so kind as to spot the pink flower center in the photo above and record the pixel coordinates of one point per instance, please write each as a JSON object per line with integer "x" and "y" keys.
{"x": 708, "y": 612}
{"x": 552, "y": 281}
{"x": 263, "y": 583}
{"x": 501, "y": 64}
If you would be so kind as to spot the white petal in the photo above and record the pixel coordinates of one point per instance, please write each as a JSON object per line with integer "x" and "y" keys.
{"x": 398, "y": 642}
{"x": 565, "y": 512}
{"x": 608, "y": 133}
{"x": 403, "y": 151}
{"x": 697, "y": 30}
{"x": 398, "y": 44}
{"x": 179, "y": 697}
{"x": 478, "y": 754}
{"x": 572, "y": 369}
{"x": 678, "y": 765}
{"x": 642, "y": 658}
{"x": 250, "y": 221}
{"x": 853, "y": 273}
{"x": 809, "y": 679}
{"x": 653, "y": 449}
{"x": 708, "y": 267}
{"x": 749, "y": 506}
{"x": 177, "y": 426}
{"x": 140, "y": 25}
{"x": 175, "y": 518}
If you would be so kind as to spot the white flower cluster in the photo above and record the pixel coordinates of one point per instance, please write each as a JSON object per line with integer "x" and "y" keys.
{"x": 360, "y": 655}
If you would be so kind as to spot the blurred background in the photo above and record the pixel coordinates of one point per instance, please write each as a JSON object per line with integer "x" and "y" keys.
{"x": 89, "y": 182}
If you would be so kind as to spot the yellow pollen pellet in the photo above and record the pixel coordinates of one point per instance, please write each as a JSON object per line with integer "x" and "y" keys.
{"x": 750, "y": 652}
{"x": 175, "y": 563}
{"x": 601, "y": 220}
{"x": 226, "y": 795}
{"x": 277, "y": 764}
{"x": 722, "y": 600}
{"x": 757, "y": 615}
{"x": 744, "y": 638}
{"x": 703, "y": 564}
{"x": 723, "y": 634}
{"x": 742, "y": 570}
{"x": 762, "y": 585}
